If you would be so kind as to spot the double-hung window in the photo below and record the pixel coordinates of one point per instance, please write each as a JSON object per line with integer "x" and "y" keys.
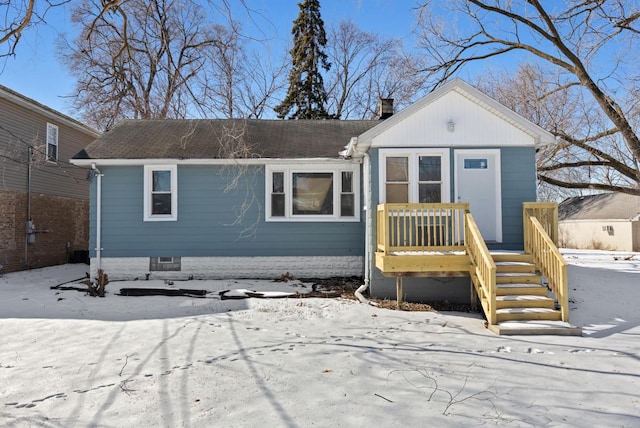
{"x": 408, "y": 176}
{"x": 312, "y": 193}
{"x": 52, "y": 142}
{"x": 160, "y": 193}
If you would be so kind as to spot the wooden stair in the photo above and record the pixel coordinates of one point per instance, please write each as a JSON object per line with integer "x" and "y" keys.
{"x": 524, "y": 304}
{"x": 520, "y": 293}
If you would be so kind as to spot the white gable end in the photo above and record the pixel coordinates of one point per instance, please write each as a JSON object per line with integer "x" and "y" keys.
{"x": 454, "y": 120}
{"x": 454, "y": 115}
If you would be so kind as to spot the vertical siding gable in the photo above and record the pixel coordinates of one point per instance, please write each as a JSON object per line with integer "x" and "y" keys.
{"x": 475, "y": 126}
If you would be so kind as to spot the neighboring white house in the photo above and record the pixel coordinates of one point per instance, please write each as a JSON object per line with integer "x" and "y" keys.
{"x": 608, "y": 221}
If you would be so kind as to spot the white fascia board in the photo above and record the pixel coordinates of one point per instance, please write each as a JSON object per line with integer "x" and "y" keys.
{"x": 256, "y": 161}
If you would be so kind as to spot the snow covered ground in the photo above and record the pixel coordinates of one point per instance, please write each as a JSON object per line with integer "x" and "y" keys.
{"x": 71, "y": 360}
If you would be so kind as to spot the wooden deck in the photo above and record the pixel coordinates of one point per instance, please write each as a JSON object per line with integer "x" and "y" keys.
{"x": 435, "y": 240}
{"x": 421, "y": 239}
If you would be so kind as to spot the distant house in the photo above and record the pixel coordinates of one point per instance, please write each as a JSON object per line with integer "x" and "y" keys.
{"x": 607, "y": 221}
{"x": 44, "y": 200}
{"x": 421, "y": 195}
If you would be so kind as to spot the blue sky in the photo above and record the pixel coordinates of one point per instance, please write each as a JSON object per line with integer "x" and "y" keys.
{"x": 37, "y": 73}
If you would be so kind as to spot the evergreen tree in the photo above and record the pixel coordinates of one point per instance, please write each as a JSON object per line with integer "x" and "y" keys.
{"x": 306, "y": 96}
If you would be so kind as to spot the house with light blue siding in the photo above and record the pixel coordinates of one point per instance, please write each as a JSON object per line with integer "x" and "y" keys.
{"x": 454, "y": 145}
{"x": 429, "y": 195}
{"x": 226, "y": 199}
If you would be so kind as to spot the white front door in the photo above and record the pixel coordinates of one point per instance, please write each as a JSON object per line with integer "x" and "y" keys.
{"x": 477, "y": 181}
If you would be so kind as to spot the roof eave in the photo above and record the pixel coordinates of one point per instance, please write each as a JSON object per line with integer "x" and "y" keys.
{"x": 163, "y": 161}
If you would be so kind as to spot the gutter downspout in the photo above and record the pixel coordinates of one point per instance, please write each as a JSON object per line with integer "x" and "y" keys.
{"x": 28, "y": 222}
{"x": 98, "y": 215}
{"x": 368, "y": 231}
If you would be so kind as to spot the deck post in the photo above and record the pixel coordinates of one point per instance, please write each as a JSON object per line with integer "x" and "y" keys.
{"x": 399, "y": 290}
{"x": 474, "y": 296}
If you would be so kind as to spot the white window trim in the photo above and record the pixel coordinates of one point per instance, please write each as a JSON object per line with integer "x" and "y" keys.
{"x": 335, "y": 169}
{"x": 50, "y": 127}
{"x": 413, "y": 155}
{"x": 148, "y": 182}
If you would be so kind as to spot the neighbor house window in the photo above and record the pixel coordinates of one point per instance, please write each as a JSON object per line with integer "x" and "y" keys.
{"x": 414, "y": 176}
{"x": 160, "y": 193}
{"x": 52, "y": 142}
{"x": 312, "y": 193}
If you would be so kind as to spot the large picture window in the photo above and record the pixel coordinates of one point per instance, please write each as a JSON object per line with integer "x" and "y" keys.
{"x": 312, "y": 193}
{"x": 160, "y": 193}
{"x": 410, "y": 177}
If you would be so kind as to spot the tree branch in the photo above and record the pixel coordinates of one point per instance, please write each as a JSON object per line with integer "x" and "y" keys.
{"x": 592, "y": 186}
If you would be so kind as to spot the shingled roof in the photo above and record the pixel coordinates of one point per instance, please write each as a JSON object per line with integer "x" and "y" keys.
{"x": 221, "y": 138}
{"x": 604, "y": 206}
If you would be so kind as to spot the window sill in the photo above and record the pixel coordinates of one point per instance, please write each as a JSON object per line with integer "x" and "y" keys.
{"x": 311, "y": 219}
{"x": 172, "y": 218}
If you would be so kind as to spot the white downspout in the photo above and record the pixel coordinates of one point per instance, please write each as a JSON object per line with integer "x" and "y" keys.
{"x": 368, "y": 234}
{"x": 98, "y": 216}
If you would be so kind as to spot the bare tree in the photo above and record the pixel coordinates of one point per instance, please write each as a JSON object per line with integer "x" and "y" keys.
{"x": 398, "y": 79}
{"x": 20, "y": 15}
{"x": 529, "y": 91}
{"x": 365, "y": 68}
{"x": 139, "y": 64}
{"x": 240, "y": 81}
{"x": 592, "y": 45}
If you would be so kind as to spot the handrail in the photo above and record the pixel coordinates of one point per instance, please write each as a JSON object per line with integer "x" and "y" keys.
{"x": 548, "y": 259}
{"x": 420, "y": 227}
{"x": 483, "y": 266}
{"x": 547, "y": 214}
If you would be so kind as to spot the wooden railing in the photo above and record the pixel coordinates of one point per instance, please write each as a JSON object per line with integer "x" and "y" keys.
{"x": 451, "y": 227}
{"x": 547, "y": 215}
{"x": 483, "y": 268}
{"x": 421, "y": 227}
{"x": 539, "y": 243}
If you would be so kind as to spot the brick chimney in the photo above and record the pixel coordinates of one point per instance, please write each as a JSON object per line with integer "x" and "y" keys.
{"x": 385, "y": 108}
